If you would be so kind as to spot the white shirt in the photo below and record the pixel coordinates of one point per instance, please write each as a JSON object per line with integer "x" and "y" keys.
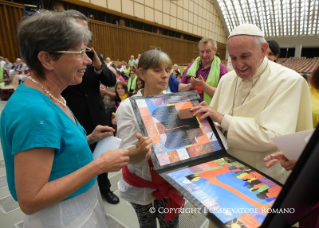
{"x": 277, "y": 104}
{"x": 127, "y": 127}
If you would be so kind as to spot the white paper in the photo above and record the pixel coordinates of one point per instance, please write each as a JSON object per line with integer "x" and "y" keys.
{"x": 105, "y": 144}
{"x": 308, "y": 137}
{"x": 292, "y": 145}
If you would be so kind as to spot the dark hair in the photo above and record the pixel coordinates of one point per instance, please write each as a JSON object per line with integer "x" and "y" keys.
{"x": 141, "y": 80}
{"x": 314, "y": 78}
{"x": 133, "y": 70}
{"x": 177, "y": 73}
{"x": 274, "y": 47}
{"x": 50, "y": 33}
{"x": 117, "y": 97}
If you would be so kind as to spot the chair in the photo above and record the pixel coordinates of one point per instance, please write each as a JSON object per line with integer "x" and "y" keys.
{"x": 7, "y": 91}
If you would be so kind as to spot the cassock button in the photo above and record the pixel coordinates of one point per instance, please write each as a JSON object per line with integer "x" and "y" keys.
{"x": 86, "y": 95}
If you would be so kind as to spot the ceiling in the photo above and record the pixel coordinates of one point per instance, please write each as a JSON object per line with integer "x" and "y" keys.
{"x": 276, "y": 18}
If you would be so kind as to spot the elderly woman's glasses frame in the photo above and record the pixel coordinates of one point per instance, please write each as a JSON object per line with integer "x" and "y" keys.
{"x": 82, "y": 52}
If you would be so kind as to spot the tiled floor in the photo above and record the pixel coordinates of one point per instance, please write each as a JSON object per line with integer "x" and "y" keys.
{"x": 120, "y": 216}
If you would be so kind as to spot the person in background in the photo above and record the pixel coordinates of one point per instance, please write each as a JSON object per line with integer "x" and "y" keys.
{"x": 121, "y": 93}
{"x": 131, "y": 83}
{"x": 7, "y": 65}
{"x": 140, "y": 180}
{"x": 127, "y": 69}
{"x": 205, "y": 72}
{"x": 108, "y": 62}
{"x": 314, "y": 95}
{"x": 138, "y": 59}
{"x": 273, "y": 50}
{"x": 175, "y": 73}
{"x": 2, "y": 62}
{"x": 108, "y": 95}
{"x": 84, "y": 100}
{"x": 3, "y": 77}
{"x": 139, "y": 84}
{"x": 131, "y": 61}
{"x": 119, "y": 76}
{"x": 49, "y": 164}
{"x": 175, "y": 68}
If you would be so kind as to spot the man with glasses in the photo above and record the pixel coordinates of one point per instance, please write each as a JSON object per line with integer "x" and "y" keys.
{"x": 86, "y": 103}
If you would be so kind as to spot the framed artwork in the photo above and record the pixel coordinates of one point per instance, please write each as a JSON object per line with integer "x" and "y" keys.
{"x": 189, "y": 154}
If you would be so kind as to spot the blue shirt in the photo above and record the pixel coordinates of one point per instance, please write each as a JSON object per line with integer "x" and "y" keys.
{"x": 173, "y": 84}
{"x": 31, "y": 120}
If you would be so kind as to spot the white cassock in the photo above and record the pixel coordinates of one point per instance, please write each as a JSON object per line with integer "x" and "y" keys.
{"x": 274, "y": 102}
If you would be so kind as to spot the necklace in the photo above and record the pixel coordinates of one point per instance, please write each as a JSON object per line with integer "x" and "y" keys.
{"x": 235, "y": 94}
{"x": 63, "y": 103}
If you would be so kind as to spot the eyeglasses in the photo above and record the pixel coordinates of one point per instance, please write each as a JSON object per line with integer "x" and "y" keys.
{"x": 82, "y": 52}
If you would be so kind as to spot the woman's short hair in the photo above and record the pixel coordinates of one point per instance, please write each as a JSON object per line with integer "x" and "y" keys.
{"x": 153, "y": 59}
{"x": 49, "y": 32}
{"x": 314, "y": 78}
{"x": 274, "y": 47}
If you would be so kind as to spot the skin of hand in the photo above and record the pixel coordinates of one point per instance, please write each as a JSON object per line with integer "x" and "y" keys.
{"x": 204, "y": 111}
{"x": 144, "y": 145}
{"x": 279, "y": 157}
{"x": 96, "y": 61}
{"x": 197, "y": 81}
{"x": 99, "y": 133}
{"x": 102, "y": 91}
{"x": 114, "y": 160}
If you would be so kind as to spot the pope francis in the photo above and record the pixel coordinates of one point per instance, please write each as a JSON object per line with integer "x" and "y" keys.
{"x": 257, "y": 101}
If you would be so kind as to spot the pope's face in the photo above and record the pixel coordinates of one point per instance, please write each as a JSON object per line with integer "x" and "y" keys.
{"x": 245, "y": 55}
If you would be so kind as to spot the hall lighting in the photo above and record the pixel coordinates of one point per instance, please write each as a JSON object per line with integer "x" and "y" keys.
{"x": 273, "y": 17}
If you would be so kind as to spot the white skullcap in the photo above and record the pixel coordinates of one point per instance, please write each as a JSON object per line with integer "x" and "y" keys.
{"x": 175, "y": 65}
{"x": 246, "y": 29}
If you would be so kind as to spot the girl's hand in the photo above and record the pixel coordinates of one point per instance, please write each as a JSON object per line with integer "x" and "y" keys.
{"x": 144, "y": 145}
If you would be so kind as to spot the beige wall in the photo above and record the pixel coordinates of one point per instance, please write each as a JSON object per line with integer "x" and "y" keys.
{"x": 197, "y": 17}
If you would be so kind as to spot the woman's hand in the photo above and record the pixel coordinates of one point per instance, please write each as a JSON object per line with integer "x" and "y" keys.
{"x": 279, "y": 157}
{"x": 144, "y": 145}
{"x": 114, "y": 160}
{"x": 99, "y": 133}
{"x": 204, "y": 110}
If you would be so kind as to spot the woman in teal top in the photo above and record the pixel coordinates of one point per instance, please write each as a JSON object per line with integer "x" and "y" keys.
{"x": 50, "y": 170}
